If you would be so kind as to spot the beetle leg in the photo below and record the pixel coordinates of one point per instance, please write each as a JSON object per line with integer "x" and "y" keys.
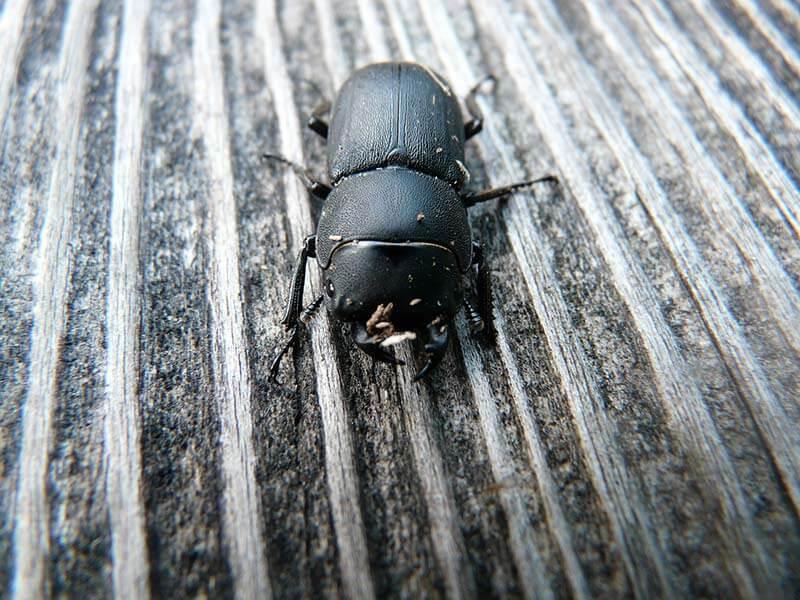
{"x": 316, "y": 123}
{"x": 294, "y": 314}
{"x": 295, "y": 302}
{"x": 484, "y": 285}
{"x": 472, "y": 198}
{"x": 305, "y": 318}
{"x": 372, "y": 346}
{"x": 435, "y": 348}
{"x": 475, "y": 124}
{"x": 317, "y": 188}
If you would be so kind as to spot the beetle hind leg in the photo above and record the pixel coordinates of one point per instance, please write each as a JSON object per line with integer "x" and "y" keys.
{"x": 316, "y": 122}
{"x": 438, "y": 338}
{"x": 475, "y": 124}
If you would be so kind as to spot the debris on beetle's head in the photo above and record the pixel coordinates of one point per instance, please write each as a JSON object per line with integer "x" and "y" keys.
{"x": 383, "y": 331}
{"x": 335, "y": 238}
{"x": 415, "y": 301}
{"x": 380, "y": 323}
{"x": 398, "y": 338}
{"x": 420, "y": 217}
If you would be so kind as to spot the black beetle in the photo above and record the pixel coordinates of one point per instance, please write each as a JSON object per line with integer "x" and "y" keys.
{"x": 393, "y": 239}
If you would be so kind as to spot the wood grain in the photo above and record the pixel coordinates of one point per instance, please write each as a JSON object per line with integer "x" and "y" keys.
{"x": 632, "y": 432}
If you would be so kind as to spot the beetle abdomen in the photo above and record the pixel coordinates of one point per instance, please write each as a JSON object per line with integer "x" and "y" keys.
{"x": 394, "y": 205}
{"x": 397, "y": 114}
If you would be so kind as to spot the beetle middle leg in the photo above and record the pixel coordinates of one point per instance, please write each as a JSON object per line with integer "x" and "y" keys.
{"x": 317, "y": 188}
{"x": 294, "y": 315}
{"x": 472, "y": 198}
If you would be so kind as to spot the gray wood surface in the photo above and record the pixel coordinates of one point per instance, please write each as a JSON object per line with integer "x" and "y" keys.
{"x": 634, "y": 432}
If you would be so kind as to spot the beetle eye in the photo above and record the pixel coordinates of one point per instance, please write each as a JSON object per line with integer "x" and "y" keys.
{"x": 329, "y": 288}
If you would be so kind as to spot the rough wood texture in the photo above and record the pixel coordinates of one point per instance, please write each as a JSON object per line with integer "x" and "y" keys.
{"x": 634, "y": 432}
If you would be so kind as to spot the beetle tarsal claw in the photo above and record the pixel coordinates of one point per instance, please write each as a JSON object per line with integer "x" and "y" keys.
{"x": 276, "y": 362}
{"x": 437, "y": 333}
{"x": 372, "y": 346}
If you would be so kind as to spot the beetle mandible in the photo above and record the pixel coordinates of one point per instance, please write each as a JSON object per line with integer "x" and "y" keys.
{"x": 393, "y": 239}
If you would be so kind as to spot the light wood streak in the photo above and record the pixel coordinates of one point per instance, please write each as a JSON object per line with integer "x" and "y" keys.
{"x": 243, "y": 526}
{"x": 378, "y": 48}
{"x": 780, "y": 436}
{"x": 398, "y": 30}
{"x": 337, "y": 65}
{"x": 50, "y": 284}
{"x": 122, "y": 436}
{"x": 12, "y": 21}
{"x": 339, "y": 457}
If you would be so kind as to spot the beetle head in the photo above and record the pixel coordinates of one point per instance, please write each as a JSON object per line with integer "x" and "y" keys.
{"x": 420, "y": 280}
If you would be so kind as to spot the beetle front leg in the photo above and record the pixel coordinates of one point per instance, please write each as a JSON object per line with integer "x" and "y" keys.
{"x": 305, "y": 318}
{"x": 294, "y": 314}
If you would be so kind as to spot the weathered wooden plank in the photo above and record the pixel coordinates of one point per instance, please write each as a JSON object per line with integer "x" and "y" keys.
{"x": 632, "y": 432}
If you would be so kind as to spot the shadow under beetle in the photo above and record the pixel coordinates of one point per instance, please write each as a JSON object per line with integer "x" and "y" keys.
{"x": 393, "y": 239}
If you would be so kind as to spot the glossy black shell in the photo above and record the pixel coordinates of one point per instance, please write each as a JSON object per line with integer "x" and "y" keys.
{"x": 397, "y": 114}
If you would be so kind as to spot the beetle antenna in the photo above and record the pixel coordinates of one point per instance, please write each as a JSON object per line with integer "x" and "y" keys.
{"x": 472, "y": 198}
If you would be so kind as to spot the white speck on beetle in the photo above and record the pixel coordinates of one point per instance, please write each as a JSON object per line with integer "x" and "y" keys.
{"x": 415, "y": 301}
{"x": 335, "y": 238}
{"x": 439, "y": 150}
{"x": 420, "y": 217}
